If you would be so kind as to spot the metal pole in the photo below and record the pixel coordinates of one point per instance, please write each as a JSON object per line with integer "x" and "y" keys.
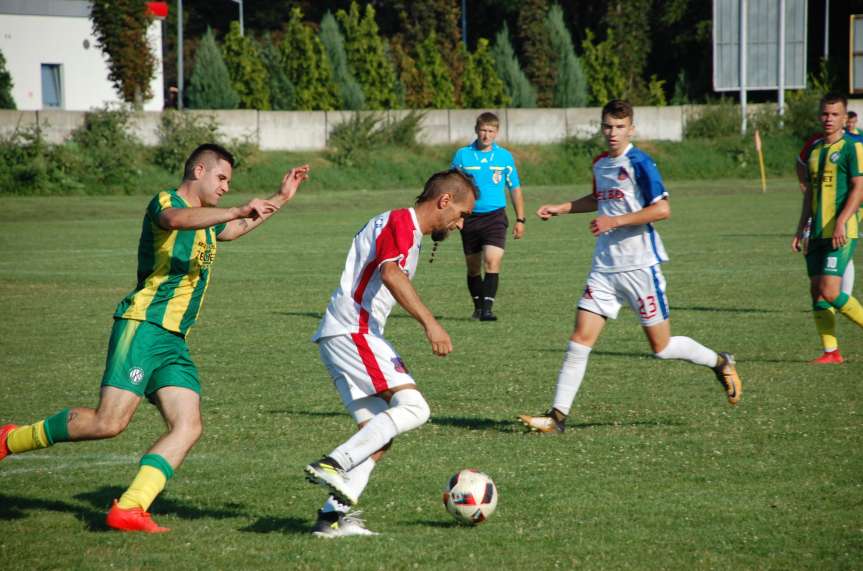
{"x": 826, "y": 29}
{"x": 241, "y": 19}
{"x": 743, "y": 10}
{"x": 180, "y": 55}
{"x": 781, "y": 98}
{"x": 464, "y": 22}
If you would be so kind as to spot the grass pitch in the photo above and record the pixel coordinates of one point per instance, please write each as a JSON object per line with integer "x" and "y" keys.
{"x": 656, "y": 471}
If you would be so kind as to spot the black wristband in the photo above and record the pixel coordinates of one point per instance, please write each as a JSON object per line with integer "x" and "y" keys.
{"x": 520, "y": 220}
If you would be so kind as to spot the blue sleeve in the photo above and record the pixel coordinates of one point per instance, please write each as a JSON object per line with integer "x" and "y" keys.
{"x": 648, "y": 179}
{"x": 512, "y": 180}
{"x": 456, "y": 161}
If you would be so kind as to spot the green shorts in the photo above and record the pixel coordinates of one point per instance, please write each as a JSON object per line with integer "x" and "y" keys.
{"x": 143, "y": 358}
{"x": 823, "y": 260}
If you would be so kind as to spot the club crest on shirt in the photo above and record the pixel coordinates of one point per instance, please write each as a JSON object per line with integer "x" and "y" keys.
{"x": 399, "y": 365}
{"x": 622, "y": 174}
{"x": 496, "y": 177}
{"x": 587, "y": 293}
{"x": 834, "y": 157}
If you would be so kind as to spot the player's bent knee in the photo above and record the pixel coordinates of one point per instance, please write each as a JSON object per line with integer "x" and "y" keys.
{"x": 408, "y": 410}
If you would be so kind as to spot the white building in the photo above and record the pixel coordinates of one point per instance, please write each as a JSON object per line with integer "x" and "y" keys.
{"x": 52, "y": 56}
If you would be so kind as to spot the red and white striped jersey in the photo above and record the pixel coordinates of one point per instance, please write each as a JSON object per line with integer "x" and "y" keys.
{"x": 362, "y": 303}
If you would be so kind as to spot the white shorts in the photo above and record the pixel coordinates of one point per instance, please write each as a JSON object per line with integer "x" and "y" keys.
{"x": 643, "y": 289}
{"x": 362, "y": 366}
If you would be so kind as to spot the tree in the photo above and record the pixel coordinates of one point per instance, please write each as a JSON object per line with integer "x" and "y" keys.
{"x": 415, "y": 92}
{"x": 6, "y": 99}
{"x": 434, "y": 73}
{"x": 517, "y": 86}
{"x": 210, "y": 84}
{"x": 540, "y": 60}
{"x": 307, "y": 66}
{"x": 367, "y": 57}
{"x": 247, "y": 70}
{"x": 602, "y": 65}
{"x": 630, "y": 24}
{"x": 350, "y": 92}
{"x": 420, "y": 18}
{"x": 570, "y": 86}
{"x": 120, "y": 27}
{"x": 482, "y": 87}
{"x": 282, "y": 91}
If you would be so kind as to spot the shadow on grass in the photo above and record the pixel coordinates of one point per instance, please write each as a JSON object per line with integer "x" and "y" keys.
{"x": 102, "y": 498}
{"x": 308, "y": 412}
{"x": 279, "y": 525}
{"x": 726, "y": 309}
{"x": 16, "y": 507}
{"x": 509, "y": 426}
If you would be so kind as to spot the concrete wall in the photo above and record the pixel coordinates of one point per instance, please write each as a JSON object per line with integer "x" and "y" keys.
{"x": 28, "y": 41}
{"x": 310, "y": 130}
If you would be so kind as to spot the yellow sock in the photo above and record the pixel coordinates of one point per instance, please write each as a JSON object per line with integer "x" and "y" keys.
{"x": 26, "y": 438}
{"x": 853, "y": 310}
{"x": 825, "y": 323}
{"x": 148, "y": 484}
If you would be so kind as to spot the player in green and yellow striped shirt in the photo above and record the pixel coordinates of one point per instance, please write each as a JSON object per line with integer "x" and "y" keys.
{"x": 147, "y": 352}
{"x": 831, "y": 201}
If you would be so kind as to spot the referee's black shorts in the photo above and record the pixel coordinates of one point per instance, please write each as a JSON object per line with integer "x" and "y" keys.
{"x": 486, "y": 229}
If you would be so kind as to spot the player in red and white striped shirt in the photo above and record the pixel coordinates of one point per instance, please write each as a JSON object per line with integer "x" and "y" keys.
{"x": 368, "y": 373}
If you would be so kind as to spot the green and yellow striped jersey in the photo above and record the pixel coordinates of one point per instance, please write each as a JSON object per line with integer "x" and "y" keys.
{"x": 173, "y": 270}
{"x": 830, "y": 170}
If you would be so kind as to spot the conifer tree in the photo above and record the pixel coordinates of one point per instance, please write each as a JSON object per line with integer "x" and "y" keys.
{"x": 247, "y": 70}
{"x": 517, "y": 86}
{"x": 368, "y": 58}
{"x": 602, "y": 66}
{"x": 210, "y": 84}
{"x": 350, "y": 92}
{"x": 307, "y": 66}
{"x": 281, "y": 89}
{"x": 415, "y": 92}
{"x": 540, "y": 60}
{"x": 434, "y": 73}
{"x": 6, "y": 99}
{"x": 481, "y": 86}
{"x": 629, "y": 22}
{"x": 570, "y": 86}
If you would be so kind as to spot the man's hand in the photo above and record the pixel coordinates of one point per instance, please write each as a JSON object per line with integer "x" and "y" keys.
{"x": 546, "y": 211}
{"x": 839, "y": 236}
{"x": 602, "y": 224}
{"x": 439, "y": 339}
{"x": 518, "y": 230}
{"x": 257, "y": 208}
{"x": 796, "y": 243}
{"x": 292, "y": 181}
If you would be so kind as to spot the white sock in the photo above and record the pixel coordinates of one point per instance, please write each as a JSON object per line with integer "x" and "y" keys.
{"x": 408, "y": 410}
{"x": 570, "y": 376}
{"x": 689, "y": 350}
{"x": 848, "y": 278}
{"x": 358, "y": 479}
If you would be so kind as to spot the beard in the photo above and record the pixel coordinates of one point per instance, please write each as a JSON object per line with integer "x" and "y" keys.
{"x": 439, "y": 235}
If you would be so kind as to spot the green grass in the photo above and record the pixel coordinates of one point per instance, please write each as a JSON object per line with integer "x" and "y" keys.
{"x": 656, "y": 470}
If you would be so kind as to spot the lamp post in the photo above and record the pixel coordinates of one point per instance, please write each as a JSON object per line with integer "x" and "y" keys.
{"x": 180, "y": 55}
{"x": 240, "y": 2}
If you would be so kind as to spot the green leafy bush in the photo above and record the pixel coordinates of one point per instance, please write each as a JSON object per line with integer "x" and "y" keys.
{"x": 180, "y": 133}
{"x": 353, "y": 140}
{"x": 111, "y": 154}
{"x": 718, "y": 119}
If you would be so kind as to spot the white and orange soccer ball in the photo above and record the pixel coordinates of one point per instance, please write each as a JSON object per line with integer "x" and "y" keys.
{"x": 470, "y": 497}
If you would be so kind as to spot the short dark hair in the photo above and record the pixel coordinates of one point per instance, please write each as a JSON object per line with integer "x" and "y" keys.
{"x": 209, "y": 154}
{"x": 832, "y": 99}
{"x": 852, "y": 114}
{"x": 487, "y": 118}
{"x": 619, "y": 109}
{"x": 455, "y": 181}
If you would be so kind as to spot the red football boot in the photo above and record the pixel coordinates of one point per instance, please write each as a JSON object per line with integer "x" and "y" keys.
{"x": 132, "y": 519}
{"x": 4, "y": 432}
{"x": 828, "y": 358}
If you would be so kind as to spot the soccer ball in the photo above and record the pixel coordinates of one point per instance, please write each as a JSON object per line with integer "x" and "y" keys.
{"x": 470, "y": 497}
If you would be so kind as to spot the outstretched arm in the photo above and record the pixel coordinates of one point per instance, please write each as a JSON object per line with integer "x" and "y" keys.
{"x": 403, "y": 290}
{"x": 586, "y": 203}
{"x": 290, "y": 183}
{"x": 204, "y": 217}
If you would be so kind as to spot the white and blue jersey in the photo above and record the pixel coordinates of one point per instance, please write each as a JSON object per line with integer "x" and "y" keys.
{"x": 624, "y": 184}
{"x": 493, "y": 171}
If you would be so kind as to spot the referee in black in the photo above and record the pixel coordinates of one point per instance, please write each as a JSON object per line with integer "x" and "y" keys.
{"x": 484, "y": 233}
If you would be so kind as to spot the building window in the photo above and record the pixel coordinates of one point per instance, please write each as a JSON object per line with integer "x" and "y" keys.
{"x": 52, "y": 85}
